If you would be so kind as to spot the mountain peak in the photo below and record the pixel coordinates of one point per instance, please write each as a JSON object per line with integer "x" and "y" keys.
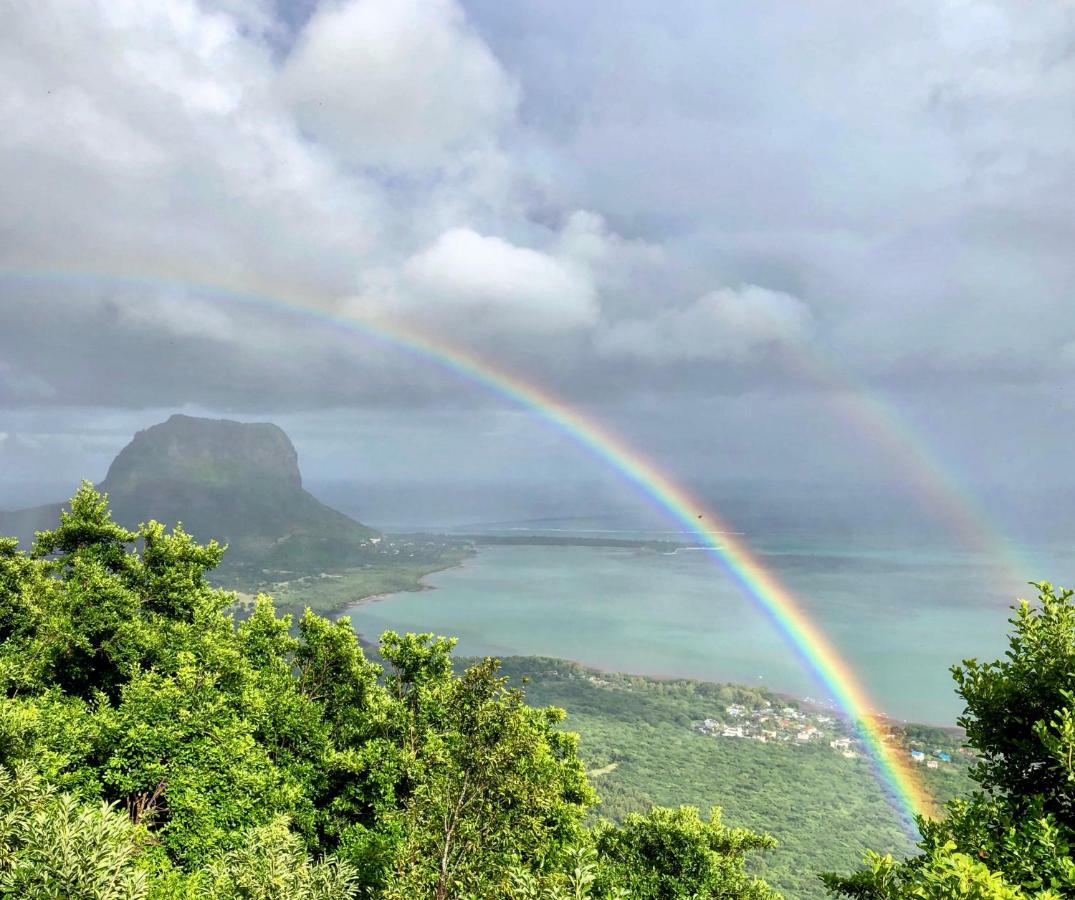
{"x": 192, "y": 450}
{"x": 238, "y": 482}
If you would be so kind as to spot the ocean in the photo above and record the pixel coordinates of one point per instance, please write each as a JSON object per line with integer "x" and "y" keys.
{"x": 900, "y": 614}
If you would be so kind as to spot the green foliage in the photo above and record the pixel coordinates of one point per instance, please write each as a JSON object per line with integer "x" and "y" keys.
{"x": 946, "y": 874}
{"x": 1014, "y": 838}
{"x": 162, "y": 749}
{"x": 673, "y": 854}
{"x": 52, "y": 846}
{"x": 638, "y": 741}
{"x": 1019, "y": 708}
{"x": 272, "y": 864}
{"x": 498, "y": 784}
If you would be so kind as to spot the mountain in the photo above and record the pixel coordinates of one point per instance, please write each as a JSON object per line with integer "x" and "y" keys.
{"x": 234, "y": 481}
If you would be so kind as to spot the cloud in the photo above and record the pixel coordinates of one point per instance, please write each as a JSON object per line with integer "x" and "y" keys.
{"x": 174, "y": 314}
{"x": 149, "y": 136}
{"x": 19, "y": 386}
{"x": 552, "y": 185}
{"x": 907, "y": 172}
{"x": 727, "y": 325}
{"x": 399, "y": 85}
{"x": 467, "y": 269}
{"x": 484, "y": 284}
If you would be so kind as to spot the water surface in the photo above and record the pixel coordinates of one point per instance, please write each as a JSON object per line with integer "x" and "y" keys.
{"x": 901, "y": 618}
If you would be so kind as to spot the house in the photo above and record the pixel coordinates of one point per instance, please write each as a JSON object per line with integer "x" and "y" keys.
{"x": 942, "y": 756}
{"x": 735, "y": 731}
{"x": 735, "y": 710}
{"x": 917, "y": 756}
{"x": 931, "y": 764}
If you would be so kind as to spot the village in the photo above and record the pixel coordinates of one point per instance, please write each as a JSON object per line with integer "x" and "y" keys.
{"x": 790, "y": 725}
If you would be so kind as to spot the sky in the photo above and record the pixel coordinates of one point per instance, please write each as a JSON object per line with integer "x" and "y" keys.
{"x": 713, "y": 226}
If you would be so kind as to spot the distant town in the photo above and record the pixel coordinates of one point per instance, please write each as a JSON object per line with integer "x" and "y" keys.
{"x": 768, "y": 723}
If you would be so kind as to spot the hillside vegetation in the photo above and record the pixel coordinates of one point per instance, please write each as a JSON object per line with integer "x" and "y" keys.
{"x": 640, "y": 740}
{"x": 152, "y": 746}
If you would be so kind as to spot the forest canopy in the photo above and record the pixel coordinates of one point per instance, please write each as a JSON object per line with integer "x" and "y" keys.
{"x": 154, "y": 745}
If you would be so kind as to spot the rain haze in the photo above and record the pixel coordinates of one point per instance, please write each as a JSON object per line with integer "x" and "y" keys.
{"x": 667, "y": 216}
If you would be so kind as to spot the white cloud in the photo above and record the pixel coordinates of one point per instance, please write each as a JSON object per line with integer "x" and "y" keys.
{"x": 148, "y": 136}
{"x": 469, "y": 281}
{"x": 724, "y": 325}
{"x": 396, "y": 83}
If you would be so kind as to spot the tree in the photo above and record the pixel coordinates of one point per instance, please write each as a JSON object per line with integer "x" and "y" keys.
{"x": 154, "y": 742}
{"x": 674, "y": 854}
{"x": 1013, "y": 838}
{"x": 492, "y": 783}
{"x": 272, "y": 864}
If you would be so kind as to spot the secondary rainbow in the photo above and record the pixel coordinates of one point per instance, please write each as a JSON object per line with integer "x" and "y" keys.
{"x": 785, "y": 612}
{"x": 922, "y": 472}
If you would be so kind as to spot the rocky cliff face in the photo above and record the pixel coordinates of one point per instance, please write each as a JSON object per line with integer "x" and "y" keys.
{"x": 233, "y": 481}
{"x": 209, "y": 452}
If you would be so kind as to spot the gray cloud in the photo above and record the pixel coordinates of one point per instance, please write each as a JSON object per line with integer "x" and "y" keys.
{"x": 729, "y": 324}
{"x": 578, "y": 195}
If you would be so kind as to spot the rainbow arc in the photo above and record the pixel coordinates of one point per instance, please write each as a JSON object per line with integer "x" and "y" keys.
{"x": 720, "y": 540}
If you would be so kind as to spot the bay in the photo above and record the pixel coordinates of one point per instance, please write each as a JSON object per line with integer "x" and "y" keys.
{"x": 899, "y": 617}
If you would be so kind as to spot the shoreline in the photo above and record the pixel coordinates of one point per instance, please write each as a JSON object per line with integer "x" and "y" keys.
{"x": 654, "y": 674}
{"x": 423, "y": 585}
{"x": 807, "y": 703}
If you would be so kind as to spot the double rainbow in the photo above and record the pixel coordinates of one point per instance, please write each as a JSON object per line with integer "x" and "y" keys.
{"x": 717, "y": 536}
{"x": 902, "y": 783}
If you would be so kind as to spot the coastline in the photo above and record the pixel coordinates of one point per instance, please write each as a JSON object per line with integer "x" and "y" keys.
{"x": 339, "y": 602}
{"x": 807, "y": 703}
{"x": 812, "y": 703}
{"x": 423, "y": 585}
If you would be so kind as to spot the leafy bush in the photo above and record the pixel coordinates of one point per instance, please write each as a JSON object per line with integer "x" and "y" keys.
{"x": 52, "y": 846}
{"x": 674, "y": 854}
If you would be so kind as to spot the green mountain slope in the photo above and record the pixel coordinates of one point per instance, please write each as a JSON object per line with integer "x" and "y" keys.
{"x": 641, "y": 745}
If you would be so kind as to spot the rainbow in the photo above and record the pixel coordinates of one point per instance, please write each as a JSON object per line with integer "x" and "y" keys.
{"x": 901, "y": 782}
{"x": 921, "y": 473}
